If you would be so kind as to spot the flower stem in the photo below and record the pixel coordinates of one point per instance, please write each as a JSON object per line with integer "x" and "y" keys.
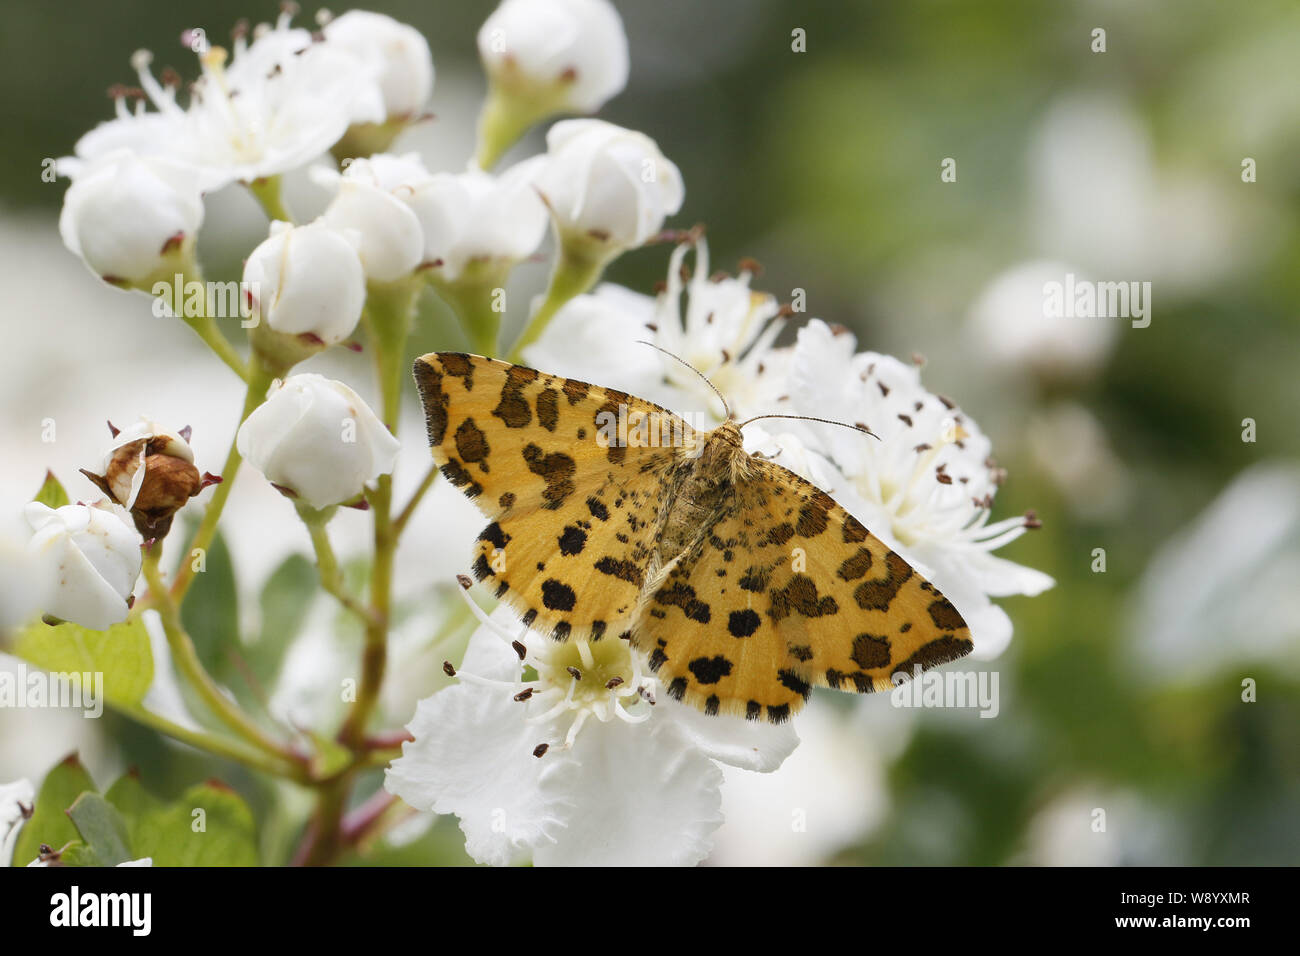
{"x": 219, "y": 746}
{"x": 259, "y": 380}
{"x": 400, "y": 522}
{"x": 331, "y": 578}
{"x": 388, "y": 316}
{"x": 191, "y": 668}
{"x": 504, "y": 119}
{"x": 574, "y": 274}
{"x": 267, "y": 192}
{"x": 206, "y": 328}
{"x": 475, "y": 301}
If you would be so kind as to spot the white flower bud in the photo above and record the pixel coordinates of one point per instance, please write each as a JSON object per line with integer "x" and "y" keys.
{"x": 399, "y": 54}
{"x": 607, "y": 184}
{"x": 307, "y": 280}
{"x": 570, "y": 53}
{"x": 130, "y": 218}
{"x": 89, "y": 557}
{"x": 318, "y": 440}
{"x": 371, "y": 200}
{"x": 477, "y": 218}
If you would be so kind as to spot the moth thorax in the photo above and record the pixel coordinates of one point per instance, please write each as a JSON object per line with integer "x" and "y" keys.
{"x": 724, "y": 458}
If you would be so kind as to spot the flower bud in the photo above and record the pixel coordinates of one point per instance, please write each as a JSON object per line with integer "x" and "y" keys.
{"x": 545, "y": 57}
{"x": 307, "y": 288}
{"x": 571, "y": 54}
{"x": 371, "y": 200}
{"x": 477, "y": 219}
{"x": 317, "y": 441}
{"x": 398, "y": 53}
{"x": 150, "y": 472}
{"x": 89, "y": 558}
{"x": 607, "y": 187}
{"x": 132, "y": 219}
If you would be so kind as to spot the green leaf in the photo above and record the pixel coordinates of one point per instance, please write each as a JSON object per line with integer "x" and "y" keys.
{"x": 139, "y": 809}
{"x": 284, "y": 601}
{"x": 223, "y": 834}
{"x": 210, "y": 613}
{"x": 52, "y": 494}
{"x": 49, "y": 824}
{"x": 122, "y": 654}
{"x": 102, "y": 829}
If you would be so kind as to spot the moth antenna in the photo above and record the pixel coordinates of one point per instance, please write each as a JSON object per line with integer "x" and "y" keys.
{"x": 809, "y": 418}
{"x": 722, "y": 398}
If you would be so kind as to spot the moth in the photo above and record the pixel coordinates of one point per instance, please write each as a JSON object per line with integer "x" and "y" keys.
{"x": 744, "y": 584}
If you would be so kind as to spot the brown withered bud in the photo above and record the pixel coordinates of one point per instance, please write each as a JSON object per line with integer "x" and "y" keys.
{"x": 150, "y": 472}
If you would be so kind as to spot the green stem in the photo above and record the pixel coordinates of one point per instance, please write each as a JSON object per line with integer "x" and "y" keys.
{"x": 206, "y": 329}
{"x": 400, "y": 522}
{"x": 204, "y": 326}
{"x": 267, "y": 192}
{"x": 505, "y": 118}
{"x": 475, "y": 300}
{"x": 575, "y": 272}
{"x": 389, "y": 315}
{"x": 186, "y": 659}
{"x": 219, "y": 746}
{"x": 259, "y": 380}
{"x": 331, "y": 578}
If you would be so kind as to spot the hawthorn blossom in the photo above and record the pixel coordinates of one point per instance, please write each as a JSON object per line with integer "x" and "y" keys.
{"x": 132, "y": 219}
{"x": 273, "y": 106}
{"x": 568, "y": 54}
{"x": 582, "y": 764}
{"x": 88, "y": 557}
{"x": 317, "y": 441}
{"x": 925, "y": 484}
{"x": 399, "y": 55}
{"x": 608, "y": 188}
{"x": 716, "y": 324}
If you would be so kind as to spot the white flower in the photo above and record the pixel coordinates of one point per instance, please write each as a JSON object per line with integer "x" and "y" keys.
{"x": 576, "y": 766}
{"x": 307, "y": 280}
{"x": 1220, "y": 595}
{"x": 607, "y": 185}
{"x": 16, "y": 801}
{"x": 723, "y": 329}
{"x": 316, "y": 438}
{"x": 372, "y": 201}
{"x": 281, "y": 102}
{"x": 398, "y": 54}
{"x": 132, "y": 218}
{"x": 20, "y": 586}
{"x": 1012, "y": 327}
{"x": 475, "y": 218}
{"x": 571, "y": 54}
{"x": 89, "y": 557}
{"x": 925, "y": 486}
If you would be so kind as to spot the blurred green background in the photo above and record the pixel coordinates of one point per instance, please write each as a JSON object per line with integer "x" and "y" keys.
{"x": 825, "y": 166}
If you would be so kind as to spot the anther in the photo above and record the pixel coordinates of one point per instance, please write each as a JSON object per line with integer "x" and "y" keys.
{"x": 465, "y": 581}
{"x": 574, "y": 672}
{"x": 524, "y": 695}
{"x": 448, "y": 669}
{"x": 541, "y": 749}
{"x": 519, "y": 649}
{"x": 613, "y": 682}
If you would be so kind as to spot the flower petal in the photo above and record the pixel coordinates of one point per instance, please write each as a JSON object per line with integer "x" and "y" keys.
{"x": 640, "y": 795}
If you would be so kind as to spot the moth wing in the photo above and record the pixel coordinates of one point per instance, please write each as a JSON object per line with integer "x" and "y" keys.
{"x": 787, "y": 591}
{"x": 573, "y": 515}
